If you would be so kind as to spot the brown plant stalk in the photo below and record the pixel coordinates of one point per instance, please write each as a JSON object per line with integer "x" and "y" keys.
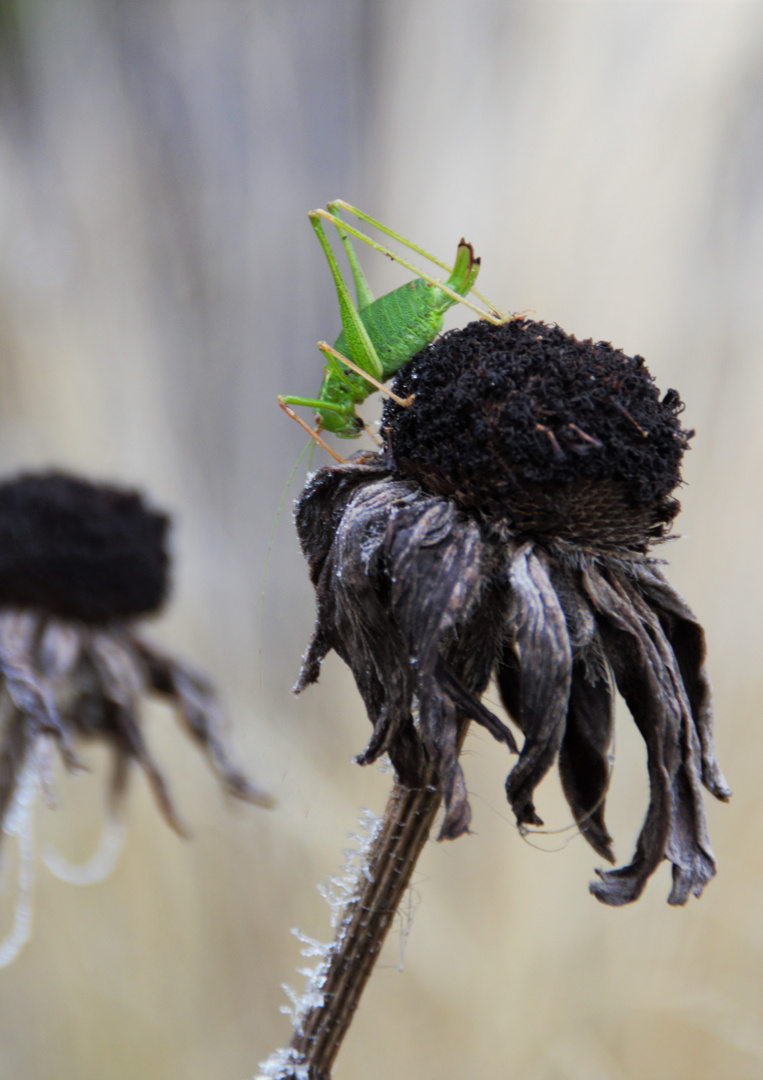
{"x": 361, "y": 931}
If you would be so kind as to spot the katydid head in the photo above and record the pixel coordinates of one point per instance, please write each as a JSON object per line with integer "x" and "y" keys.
{"x": 344, "y": 425}
{"x": 338, "y": 396}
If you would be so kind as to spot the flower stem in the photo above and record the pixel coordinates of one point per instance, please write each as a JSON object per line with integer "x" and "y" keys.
{"x": 402, "y": 834}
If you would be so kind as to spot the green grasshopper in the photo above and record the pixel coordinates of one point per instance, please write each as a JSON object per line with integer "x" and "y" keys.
{"x": 379, "y": 336}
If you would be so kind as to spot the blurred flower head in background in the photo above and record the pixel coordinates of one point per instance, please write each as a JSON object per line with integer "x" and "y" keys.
{"x": 80, "y": 563}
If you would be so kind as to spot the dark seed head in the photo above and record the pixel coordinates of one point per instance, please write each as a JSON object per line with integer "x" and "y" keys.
{"x": 80, "y": 550}
{"x": 560, "y": 438}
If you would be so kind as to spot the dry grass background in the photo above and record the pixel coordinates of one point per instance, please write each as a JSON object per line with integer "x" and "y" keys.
{"x": 160, "y": 284}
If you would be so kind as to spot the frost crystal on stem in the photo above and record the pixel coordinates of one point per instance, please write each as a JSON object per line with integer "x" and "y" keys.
{"x": 341, "y": 892}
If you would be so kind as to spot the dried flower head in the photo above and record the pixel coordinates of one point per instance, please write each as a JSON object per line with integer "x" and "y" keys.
{"x": 504, "y": 532}
{"x": 79, "y": 563}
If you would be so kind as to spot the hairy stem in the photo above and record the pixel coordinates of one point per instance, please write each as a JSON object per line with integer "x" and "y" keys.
{"x": 362, "y": 929}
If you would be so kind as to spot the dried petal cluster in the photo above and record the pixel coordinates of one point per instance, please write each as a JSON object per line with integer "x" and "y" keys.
{"x": 398, "y": 577}
{"x": 78, "y": 563}
{"x": 522, "y": 555}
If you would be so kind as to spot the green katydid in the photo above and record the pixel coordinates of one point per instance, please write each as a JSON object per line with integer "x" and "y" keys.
{"x": 379, "y": 336}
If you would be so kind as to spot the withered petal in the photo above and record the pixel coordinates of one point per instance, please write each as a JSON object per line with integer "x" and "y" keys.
{"x": 472, "y": 707}
{"x": 688, "y": 847}
{"x": 123, "y": 681}
{"x": 363, "y": 632}
{"x": 120, "y": 775}
{"x": 353, "y": 620}
{"x": 322, "y": 503}
{"x": 432, "y": 555}
{"x": 317, "y": 651}
{"x": 584, "y": 765}
{"x": 508, "y": 676}
{"x": 129, "y": 743}
{"x": 687, "y": 640}
{"x": 16, "y": 743}
{"x": 439, "y": 729}
{"x": 30, "y": 695}
{"x": 545, "y": 657}
{"x": 458, "y": 812}
{"x": 396, "y": 586}
{"x": 648, "y": 678}
{"x": 318, "y": 517}
{"x": 396, "y": 736}
{"x": 202, "y": 716}
{"x": 122, "y": 677}
{"x": 59, "y": 650}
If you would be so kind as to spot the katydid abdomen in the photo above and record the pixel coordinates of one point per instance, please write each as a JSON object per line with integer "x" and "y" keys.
{"x": 398, "y": 325}
{"x": 401, "y": 323}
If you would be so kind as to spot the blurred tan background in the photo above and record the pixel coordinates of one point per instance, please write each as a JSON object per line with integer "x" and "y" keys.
{"x": 160, "y": 284}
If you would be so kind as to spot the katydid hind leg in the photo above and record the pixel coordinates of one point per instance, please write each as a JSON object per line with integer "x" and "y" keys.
{"x": 362, "y": 216}
{"x": 359, "y": 343}
{"x": 456, "y": 280}
{"x": 362, "y": 289}
{"x": 493, "y": 314}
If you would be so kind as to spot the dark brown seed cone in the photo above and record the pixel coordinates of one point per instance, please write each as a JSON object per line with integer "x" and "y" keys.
{"x": 83, "y": 551}
{"x": 560, "y": 438}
